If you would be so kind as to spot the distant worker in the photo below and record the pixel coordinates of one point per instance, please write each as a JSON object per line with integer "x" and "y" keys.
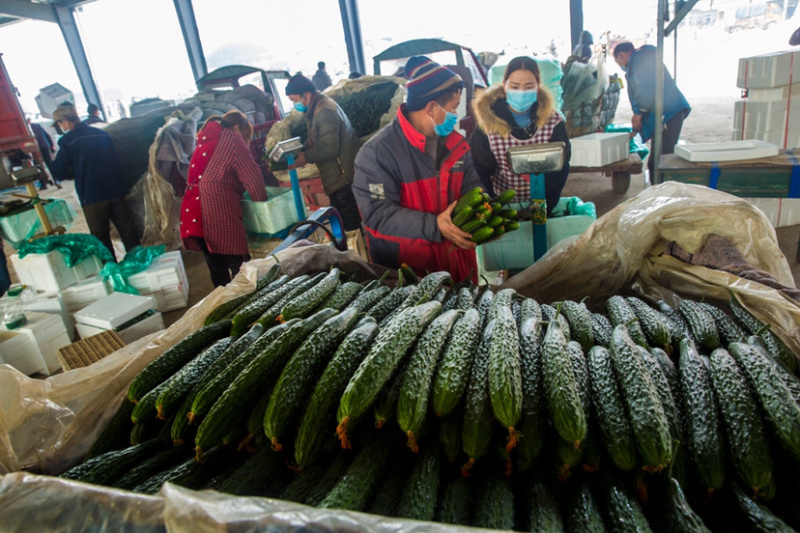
{"x": 519, "y": 112}
{"x": 88, "y": 155}
{"x": 320, "y": 78}
{"x": 583, "y": 50}
{"x": 332, "y": 145}
{"x": 410, "y": 175}
{"x": 639, "y": 65}
{"x": 48, "y": 149}
{"x": 94, "y": 114}
{"x": 221, "y": 169}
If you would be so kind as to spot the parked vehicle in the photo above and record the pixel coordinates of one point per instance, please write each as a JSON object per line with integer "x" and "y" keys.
{"x": 753, "y": 16}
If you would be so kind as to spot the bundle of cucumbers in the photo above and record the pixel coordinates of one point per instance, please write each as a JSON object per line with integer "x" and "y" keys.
{"x": 450, "y": 402}
{"x": 483, "y": 217}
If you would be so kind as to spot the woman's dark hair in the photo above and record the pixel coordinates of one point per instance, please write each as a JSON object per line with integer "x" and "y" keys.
{"x": 231, "y": 119}
{"x": 522, "y": 63}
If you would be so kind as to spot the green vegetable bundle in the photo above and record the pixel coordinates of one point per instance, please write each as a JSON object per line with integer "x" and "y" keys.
{"x": 485, "y": 218}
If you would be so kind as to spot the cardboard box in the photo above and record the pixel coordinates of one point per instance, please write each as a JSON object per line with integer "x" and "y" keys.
{"x": 599, "y": 149}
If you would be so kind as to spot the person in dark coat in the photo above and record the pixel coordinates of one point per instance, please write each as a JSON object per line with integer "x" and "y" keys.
{"x": 47, "y": 148}
{"x": 519, "y": 112}
{"x": 583, "y": 50}
{"x": 220, "y": 171}
{"x": 89, "y": 156}
{"x": 639, "y": 65}
{"x": 332, "y": 145}
{"x": 320, "y": 79}
{"x": 410, "y": 175}
{"x": 94, "y": 114}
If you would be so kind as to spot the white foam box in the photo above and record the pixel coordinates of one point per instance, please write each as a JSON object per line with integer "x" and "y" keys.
{"x": 49, "y": 272}
{"x": 599, "y": 149}
{"x": 134, "y": 332}
{"x": 113, "y": 310}
{"x": 165, "y": 280}
{"x": 49, "y": 334}
{"x": 18, "y": 350}
{"x": 780, "y": 211}
{"x": 775, "y": 69}
{"x": 765, "y": 115}
{"x": 84, "y": 293}
{"x": 785, "y": 92}
{"x": 48, "y": 302}
{"x": 789, "y": 138}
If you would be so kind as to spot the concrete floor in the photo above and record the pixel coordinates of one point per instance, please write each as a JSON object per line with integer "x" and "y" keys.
{"x": 710, "y": 120}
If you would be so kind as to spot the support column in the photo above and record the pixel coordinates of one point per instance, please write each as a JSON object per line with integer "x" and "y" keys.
{"x": 352, "y": 35}
{"x": 191, "y": 37}
{"x": 69, "y": 29}
{"x": 575, "y": 22}
{"x": 655, "y": 144}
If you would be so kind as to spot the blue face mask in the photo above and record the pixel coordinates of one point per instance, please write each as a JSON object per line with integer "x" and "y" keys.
{"x": 445, "y": 128}
{"x": 521, "y": 100}
{"x": 300, "y": 107}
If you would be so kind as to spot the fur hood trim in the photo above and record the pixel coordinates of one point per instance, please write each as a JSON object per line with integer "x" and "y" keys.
{"x": 490, "y": 123}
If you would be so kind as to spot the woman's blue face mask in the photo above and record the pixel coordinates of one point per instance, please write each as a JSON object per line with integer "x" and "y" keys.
{"x": 445, "y": 128}
{"x": 300, "y": 107}
{"x": 521, "y": 100}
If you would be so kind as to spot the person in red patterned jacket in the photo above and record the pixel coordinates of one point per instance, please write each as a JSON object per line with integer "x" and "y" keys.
{"x": 410, "y": 174}
{"x": 221, "y": 169}
{"x": 521, "y": 111}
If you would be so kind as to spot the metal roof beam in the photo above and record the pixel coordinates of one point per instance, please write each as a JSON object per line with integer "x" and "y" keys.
{"x": 28, "y": 10}
{"x": 66, "y": 22}
{"x": 191, "y": 37}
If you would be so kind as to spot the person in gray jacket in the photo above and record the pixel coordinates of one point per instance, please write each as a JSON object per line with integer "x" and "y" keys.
{"x": 332, "y": 145}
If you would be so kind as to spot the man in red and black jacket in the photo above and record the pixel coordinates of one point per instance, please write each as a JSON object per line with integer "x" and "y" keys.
{"x": 409, "y": 176}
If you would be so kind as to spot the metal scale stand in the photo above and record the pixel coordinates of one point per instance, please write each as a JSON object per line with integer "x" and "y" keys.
{"x": 28, "y": 176}
{"x": 285, "y": 151}
{"x": 535, "y": 160}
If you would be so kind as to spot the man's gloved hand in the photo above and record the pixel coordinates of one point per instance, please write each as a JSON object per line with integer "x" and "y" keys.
{"x": 451, "y": 232}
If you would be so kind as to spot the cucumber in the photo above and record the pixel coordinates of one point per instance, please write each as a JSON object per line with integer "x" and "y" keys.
{"x": 450, "y": 434}
{"x": 321, "y": 409}
{"x": 241, "y": 353}
{"x": 704, "y": 433}
{"x": 669, "y": 370}
{"x": 414, "y": 392}
{"x": 601, "y": 330}
{"x": 276, "y": 290}
{"x": 790, "y": 380}
{"x": 623, "y": 512}
{"x": 464, "y": 300}
{"x": 190, "y": 474}
{"x": 580, "y": 323}
{"x": 476, "y": 429}
{"x": 462, "y": 215}
{"x": 302, "y": 304}
{"x": 670, "y": 511}
{"x": 483, "y": 302}
{"x": 383, "y": 358}
{"x": 255, "y": 438}
{"x": 426, "y": 289}
{"x": 534, "y": 411}
{"x": 334, "y": 471}
{"x": 678, "y": 327}
{"x": 301, "y": 373}
{"x": 263, "y": 474}
{"x": 561, "y": 390}
{"x": 352, "y": 491}
{"x": 273, "y": 314}
{"x": 610, "y": 410}
{"x": 418, "y": 500}
{"x": 469, "y": 199}
{"x": 342, "y": 296}
{"x": 455, "y": 505}
{"x": 146, "y": 408}
{"x": 482, "y": 234}
{"x": 776, "y": 347}
{"x": 781, "y": 411}
{"x": 747, "y": 440}
{"x": 233, "y": 405}
{"x": 473, "y": 225}
{"x": 654, "y": 324}
{"x": 582, "y": 512}
{"x": 505, "y": 374}
{"x": 179, "y": 385}
{"x": 164, "y": 460}
{"x": 728, "y": 328}
{"x": 494, "y": 221}
{"x": 702, "y": 324}
{"x": 391, "y": 488}
{"x": 392, "y": 301}
{"x": 173, "y": 359}
{"x": 102, "y": 469}
{"x": 758, "y": 517}
{"x": 116, "y": 434}
{"x": 549, "y": 313}
{"x": 367, "y": 299}
{"x": 545, "y": 514}
{"x": 642, "y": 402}
{"x": 494, "y": 505}
{"x": 621, "y": 314}
{"x": 303, "y": 484}
{"x": 668, "y": 400}
{"x": 506, "y": 196}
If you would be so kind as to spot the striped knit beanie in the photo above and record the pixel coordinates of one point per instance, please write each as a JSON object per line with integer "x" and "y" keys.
{"x": 427, "y": 81}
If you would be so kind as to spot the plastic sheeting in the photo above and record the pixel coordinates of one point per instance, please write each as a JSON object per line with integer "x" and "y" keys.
{"x": 74, "y": 246}
{"x": 627, "y": 246}
{"x": 135, "y": 261}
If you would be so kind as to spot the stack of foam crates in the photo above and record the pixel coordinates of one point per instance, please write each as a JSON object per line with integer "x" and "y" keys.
{"x": 770, "y": 110}
{"x": 165, "y": 281}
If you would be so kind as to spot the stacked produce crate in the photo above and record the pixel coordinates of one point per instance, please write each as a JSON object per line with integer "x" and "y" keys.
{"x": 767, "y": 112}
{"x": 449, "y": 402}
